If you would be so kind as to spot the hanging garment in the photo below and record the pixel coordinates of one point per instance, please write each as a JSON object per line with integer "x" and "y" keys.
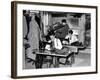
{"x": 33, "y": 38}
{"x": 37, "y": 19}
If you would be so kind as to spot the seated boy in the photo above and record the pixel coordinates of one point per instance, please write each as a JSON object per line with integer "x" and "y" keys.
{"x": 71, "y": 39}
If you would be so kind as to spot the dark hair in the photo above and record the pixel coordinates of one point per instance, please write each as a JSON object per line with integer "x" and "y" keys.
{"x": 70, "y": 31}
{"x": 64, "y": 20}
{"x": 51, "y": 32}
{"x": 47, "y": 37}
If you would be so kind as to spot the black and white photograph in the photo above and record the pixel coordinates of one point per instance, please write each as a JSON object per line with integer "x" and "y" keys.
{"x": 56, "y": 39}
{"x": 53, "y": 39}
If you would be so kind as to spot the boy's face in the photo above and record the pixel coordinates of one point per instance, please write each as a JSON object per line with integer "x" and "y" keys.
{"x": 52, "y": 37}
{"x": 70, "y": 34}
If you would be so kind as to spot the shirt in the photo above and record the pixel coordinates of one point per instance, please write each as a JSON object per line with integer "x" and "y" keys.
{"x": 72, "y": 38}
{"x": 57, "y": 43}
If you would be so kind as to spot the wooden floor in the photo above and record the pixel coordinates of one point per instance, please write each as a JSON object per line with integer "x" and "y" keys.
{"x": 82, "y": 59}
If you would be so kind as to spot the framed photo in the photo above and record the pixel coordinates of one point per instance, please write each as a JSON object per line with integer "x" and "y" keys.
{"x": 50, "y": 39}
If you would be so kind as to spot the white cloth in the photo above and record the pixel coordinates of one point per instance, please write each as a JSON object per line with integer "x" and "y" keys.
{"x": 47, "y": 47}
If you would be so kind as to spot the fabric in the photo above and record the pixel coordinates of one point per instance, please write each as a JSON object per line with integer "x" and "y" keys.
{"x": 56, "y": 44}
{"x": 33, "y": 38}
{"x": 62, "y": 32}
{"x": 47, "y": 47}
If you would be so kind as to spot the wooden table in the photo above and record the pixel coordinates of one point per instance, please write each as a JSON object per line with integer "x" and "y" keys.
{"x": 55, "y": 58}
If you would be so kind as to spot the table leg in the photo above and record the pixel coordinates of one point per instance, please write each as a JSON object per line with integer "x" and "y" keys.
{"x": 72, "y": 59}
{"x": 56, "y": 62}
{"x": 39, "y": 61}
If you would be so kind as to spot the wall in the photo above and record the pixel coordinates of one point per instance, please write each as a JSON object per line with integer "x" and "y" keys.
{"x": 5, "y": 41}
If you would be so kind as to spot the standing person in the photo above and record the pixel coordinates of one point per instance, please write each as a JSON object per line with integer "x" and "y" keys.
{"x": 63, "y": 31}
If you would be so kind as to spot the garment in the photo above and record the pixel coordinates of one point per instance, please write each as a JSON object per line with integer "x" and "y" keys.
{"x": 62, "y": 32}
{"x": 28, "y": 19}
{"x": 48, "y": 45}
{"x": 73, "y": 38}
{"x": 57, "y": 43}
{"x": 58, "y": 48}
{"x": 37, "y": 19}
{"x": 33, "y": 38}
